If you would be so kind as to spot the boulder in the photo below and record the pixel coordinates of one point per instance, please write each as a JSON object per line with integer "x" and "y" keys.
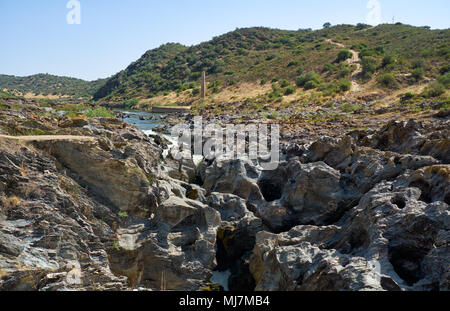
{"x": 237, "y": 177}
{"x": 118, "y": 182}
{"x": 177, "y": 252}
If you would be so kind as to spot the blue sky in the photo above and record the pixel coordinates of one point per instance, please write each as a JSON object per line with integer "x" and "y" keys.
{"x": 113, "y": 33}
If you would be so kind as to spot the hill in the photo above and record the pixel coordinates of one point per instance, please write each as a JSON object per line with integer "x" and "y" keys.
{"x": 391, "y": 56}
{"x": 50, "y": 85}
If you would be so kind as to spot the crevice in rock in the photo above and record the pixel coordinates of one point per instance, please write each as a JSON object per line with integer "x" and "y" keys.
{"x": 447, "y": 198}
{"x": 424, "y": 187}
{"x": 343, "y": 208}
{"x": 399, "y": 202}
{"x": 383, "y": 143}
{"x": 407, "y": 262}
{"x": 270, "y": 191}
{"x": 233, "y": 254}
{"x": 221, "y": 256}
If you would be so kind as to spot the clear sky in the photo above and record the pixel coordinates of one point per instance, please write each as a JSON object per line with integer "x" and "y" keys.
{"x": 36, "y": 38}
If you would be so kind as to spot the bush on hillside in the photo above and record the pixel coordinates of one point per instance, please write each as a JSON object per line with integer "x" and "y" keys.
{"x": 369, "y": 65}
{"x": 344, "y": 70}
{"x": 388, "y": 60}
{"x": 361, "y": 26}
{"x": 407, "y": 96}
{"x": 366, "y": 52}
{"x": 418, "y": 73}
{"x": 444, "y": 69}
{"x": 445, "y": 80}
{"x": 388, "y": 80}
{"x": 309, "y": 77}
{"x": 276, "y": 91}
{"x": 329, "y": 68}
{"x": 343, "y": 55}
{"x": 345, "y": 85}
{"x": 328, "y": 89}
{"x": 196, "y": 91}
{"x": 284, "y": 83}
{"x": 418, "y": 63}
{"x": 433, "y": 90}
{"x": 289, "y": 90}
{"x": 311, "y": 85}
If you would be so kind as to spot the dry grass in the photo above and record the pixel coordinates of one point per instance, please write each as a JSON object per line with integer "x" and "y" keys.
{"x": 30, "y": 95}
{"x": 11, "y": 202}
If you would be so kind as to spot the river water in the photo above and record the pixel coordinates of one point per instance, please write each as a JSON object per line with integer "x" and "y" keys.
{"x": 134, "y": 117}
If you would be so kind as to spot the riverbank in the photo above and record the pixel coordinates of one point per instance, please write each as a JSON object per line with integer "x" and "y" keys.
{"x": 363, "y": 209}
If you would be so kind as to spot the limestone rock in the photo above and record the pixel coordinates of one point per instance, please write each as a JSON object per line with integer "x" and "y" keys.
{"x": 375, "y": 246}
{"x": 233, "y": 176}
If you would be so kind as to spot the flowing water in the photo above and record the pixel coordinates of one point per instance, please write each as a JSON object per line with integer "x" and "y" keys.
{"x": 145, "y": 121}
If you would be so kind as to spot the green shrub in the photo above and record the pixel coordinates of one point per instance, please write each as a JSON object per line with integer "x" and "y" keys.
{"x": 388, "y": 80}
{"x": 311, "y": 85}
{"x": 366, "y": 52}
{"x": 328, "y": 89}
{"x": 195, "y": 91}
{"x": 345, "y": 85}
{"x": 284, "y": 83}
{"x": 418, "y": 63}
{"x": 99, "y": 112}
{"x": 361, "y": 26}
{"x": 123, "y": 214}
{"x": 271, "y": 57}
{"x": 129, "y": 104}
{"x": 299, "y": 49}
{"x": 310, "y": 76}
{"x": 445, "y": 80}
{"x": 380, "y": 49}
{"x": 349, "y": 108}
{"x": 444, "y": 69}
{"x": 388, "y": 60}
{"x": 418, "y": 73}
{"x": 369, "y": 65}
{"x": 433, "y": 90}
{"x": 276, "y": 91}
{"x": 293, "y": 63}
{"x": 329, "y": 68}
{"x": 343, "y": 55}
{"x": 427, "y": 53}
{"x": 407, "y": 96}
{"x": 344, "y": 70}
{"x": 289, "y": 90}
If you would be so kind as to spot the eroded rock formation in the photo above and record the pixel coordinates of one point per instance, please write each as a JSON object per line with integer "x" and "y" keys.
{"x": 366, "y": 211}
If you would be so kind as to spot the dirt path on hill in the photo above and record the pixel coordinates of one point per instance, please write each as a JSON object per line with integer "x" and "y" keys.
{"x": 354, "y": 60}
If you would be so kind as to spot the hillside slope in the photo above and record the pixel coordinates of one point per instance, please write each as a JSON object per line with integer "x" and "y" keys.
{"x": 260, "y": 55}
{"x": 45, "y": 84}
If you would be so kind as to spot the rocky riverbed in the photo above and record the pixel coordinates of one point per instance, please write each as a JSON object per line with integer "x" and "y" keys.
{"x": 363, "y": 210}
